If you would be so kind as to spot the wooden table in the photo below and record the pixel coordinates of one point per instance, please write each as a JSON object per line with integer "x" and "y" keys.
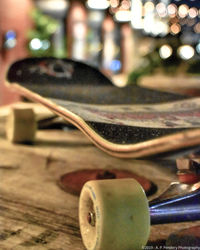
{"x": 35, "y": 213}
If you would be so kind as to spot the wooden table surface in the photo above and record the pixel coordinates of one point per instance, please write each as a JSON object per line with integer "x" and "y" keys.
{"x": 35, "y": 213}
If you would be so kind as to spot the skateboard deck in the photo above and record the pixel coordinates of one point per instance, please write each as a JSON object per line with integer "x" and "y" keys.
{"x": 124, "y": 122}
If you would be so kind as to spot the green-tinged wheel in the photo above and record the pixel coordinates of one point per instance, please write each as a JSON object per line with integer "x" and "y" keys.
{"x": 114, "y": 215}
{"x": 21, "y": 125}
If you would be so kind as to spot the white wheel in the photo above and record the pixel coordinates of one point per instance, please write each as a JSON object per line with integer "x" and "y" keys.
{"x": 114, "y": 215}
{"x": 21, "y": 125}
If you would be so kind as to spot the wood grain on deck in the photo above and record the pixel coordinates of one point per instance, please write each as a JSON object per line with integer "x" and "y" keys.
{"x": 35, "y": 213}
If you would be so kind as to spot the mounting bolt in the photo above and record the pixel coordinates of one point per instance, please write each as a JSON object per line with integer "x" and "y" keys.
{"x": 91, "y": 218}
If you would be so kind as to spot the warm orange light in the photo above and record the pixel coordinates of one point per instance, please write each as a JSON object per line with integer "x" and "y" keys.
{"x": 197, "y": 27}
{"x": 174, "y": 20}
{"x": 78, "y": 13}
{"x": 108, "y": 24}
{"x": 175, "y": 28}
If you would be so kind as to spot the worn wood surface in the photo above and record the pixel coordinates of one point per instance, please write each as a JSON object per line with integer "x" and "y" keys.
{"x": 35, "y": 213}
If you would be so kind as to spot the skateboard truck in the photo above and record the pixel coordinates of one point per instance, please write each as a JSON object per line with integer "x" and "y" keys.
{"x": 180, "y": 202}
{"x": 119, "y": 209}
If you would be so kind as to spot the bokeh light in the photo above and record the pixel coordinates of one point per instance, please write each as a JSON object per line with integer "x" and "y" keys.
{"x": 98, "y": 4}
{"x": 35, "y": 44}
{"x": 183, "y": 10}
{"x": 198, "y": 48}
{"x": 149, "y": 7}
{"x": 175, "y": 28}
{"x": 186, "y": 52}
{"x": 193, "y": 12}
{"x": 165, "y": 51}
{"x": 172, "y": 10}
{"x": 161, "y": 9}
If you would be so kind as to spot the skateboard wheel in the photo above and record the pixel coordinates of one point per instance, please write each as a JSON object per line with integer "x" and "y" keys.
{"x": 114, "y": 215}
{"x": 21, "y": 125}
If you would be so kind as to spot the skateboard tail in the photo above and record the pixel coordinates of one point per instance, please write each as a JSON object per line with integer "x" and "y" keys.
{"x": 179, "y": 140}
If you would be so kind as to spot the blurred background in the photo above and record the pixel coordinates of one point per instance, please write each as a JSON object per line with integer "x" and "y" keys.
{"x": 153, "y": 43}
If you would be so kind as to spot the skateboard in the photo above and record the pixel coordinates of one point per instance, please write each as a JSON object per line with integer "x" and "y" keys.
{"x": 116, "y": 214}
{"x": 127, "y": 122}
